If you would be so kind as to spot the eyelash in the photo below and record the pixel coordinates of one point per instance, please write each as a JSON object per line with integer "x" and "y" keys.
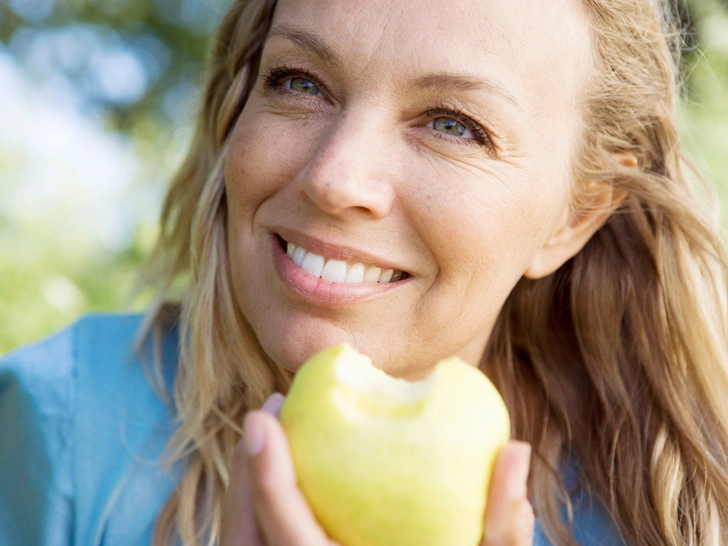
{"x": 482, "y": 138}
{"x": 277, "y": 74}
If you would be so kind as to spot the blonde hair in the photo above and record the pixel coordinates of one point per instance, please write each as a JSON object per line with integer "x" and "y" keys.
{"x": 616, "y": 362}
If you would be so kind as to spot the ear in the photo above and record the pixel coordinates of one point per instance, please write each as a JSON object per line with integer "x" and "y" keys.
{"x": 575, "y": 228}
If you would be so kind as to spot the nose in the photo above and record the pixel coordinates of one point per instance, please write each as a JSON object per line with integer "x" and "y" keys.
{"x": 350, "y": 171}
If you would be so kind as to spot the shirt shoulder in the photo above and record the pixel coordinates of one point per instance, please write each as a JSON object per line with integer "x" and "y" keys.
{"x": 592, "y": 524}
{"x": 87, "y": 432}
{"x": 592, "y": 527}
{"x": 37, "y": 394}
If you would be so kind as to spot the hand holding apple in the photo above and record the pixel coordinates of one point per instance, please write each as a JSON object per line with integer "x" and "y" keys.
{"x": 264, "y": 506}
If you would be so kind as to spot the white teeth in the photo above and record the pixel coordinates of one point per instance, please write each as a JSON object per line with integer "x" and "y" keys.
{"x": 386, "y": 275}
{"x": 313, "y": 264}
{"x": 298, "y": 255}
{"x": 355, "y": 274}
{"x": 337, "y": 270}
{"x": 372, "y": 274}
{"x": 334, "y": 271}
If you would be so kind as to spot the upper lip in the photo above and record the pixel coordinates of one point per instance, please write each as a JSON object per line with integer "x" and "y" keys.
{"x": 336, "y": 251}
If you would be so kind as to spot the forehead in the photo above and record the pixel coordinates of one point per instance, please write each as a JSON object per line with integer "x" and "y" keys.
{"x": 529, "y": 47}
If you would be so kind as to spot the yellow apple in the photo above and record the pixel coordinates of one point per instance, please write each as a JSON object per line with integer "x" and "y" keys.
{"x": 387, "y": 462}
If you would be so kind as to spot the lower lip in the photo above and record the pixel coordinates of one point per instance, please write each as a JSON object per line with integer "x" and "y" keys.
{"x": 321, "y": 292}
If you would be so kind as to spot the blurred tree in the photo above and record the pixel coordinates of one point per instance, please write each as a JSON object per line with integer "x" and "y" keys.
{"x": 161, "y": 44}
{"x": 96, "y": 97}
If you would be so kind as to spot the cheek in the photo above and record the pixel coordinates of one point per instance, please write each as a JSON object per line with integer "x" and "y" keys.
{"x": 483, "y": 227}
{"x": 265, "y": 156}
{"x": 251, "y": 170}
{"x": 252, "y": 177}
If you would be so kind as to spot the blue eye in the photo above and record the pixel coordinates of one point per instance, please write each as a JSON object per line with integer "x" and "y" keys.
{"x": 302, "y": 85}
{"x": 450, "y": 126}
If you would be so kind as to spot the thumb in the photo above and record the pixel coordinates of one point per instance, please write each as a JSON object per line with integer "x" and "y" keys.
{"x": 509, "y": 517}
{"x": 273, "y": 404}
{"x": 238, "y": 525}
{"x": 280, "y": 507}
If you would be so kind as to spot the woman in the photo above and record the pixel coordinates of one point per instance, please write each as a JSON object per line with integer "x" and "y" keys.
{"x": 496, "y": 180}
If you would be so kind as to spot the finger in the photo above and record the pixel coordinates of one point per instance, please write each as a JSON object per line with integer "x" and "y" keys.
{"x": 517, "y": 529}
{"x": 238, "y": 526}
{"x": 509, "y": 518}
{"x": 282, "y": 511}
{"x": 273, "y": 404}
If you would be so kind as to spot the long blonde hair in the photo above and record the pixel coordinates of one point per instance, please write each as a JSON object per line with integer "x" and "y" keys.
{"x": 616, "y": 362}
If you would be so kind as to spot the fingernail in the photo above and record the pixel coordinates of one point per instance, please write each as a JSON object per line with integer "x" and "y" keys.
{"x": 273, "y": 404}
{"x": 254, "y": 434}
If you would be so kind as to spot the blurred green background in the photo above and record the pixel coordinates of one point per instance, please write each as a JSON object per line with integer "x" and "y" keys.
{"x": 97, "y": 101}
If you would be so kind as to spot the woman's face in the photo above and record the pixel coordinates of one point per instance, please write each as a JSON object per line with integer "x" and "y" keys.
{"x": 431, "y": 138}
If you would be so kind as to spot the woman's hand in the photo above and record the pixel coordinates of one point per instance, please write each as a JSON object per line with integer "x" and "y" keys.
{"x": 509, "y": 517}
{"x": 263, "y": 505}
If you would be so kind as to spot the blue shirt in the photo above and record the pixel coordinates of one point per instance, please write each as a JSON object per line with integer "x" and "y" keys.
{"x": 81, "y": 435}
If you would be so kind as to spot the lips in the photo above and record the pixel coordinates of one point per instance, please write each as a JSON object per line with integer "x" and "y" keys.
{"x": 339, "y": 271}
{"x": 326, "y": 288}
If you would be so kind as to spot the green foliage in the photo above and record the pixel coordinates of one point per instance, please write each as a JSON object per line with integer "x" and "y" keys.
{"x": 53, "y": 267}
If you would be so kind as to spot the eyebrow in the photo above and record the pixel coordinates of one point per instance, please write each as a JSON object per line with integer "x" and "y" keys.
{"x": 437, "y": 82}
{"x": 308, "y": 42}
{"x": 442, "y": 82}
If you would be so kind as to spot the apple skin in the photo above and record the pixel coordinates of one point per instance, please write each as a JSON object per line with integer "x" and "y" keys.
{"x": 380, "y": 469}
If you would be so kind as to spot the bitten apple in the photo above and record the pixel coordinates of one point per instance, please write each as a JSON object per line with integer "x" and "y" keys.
{"x": 387, "y": 462}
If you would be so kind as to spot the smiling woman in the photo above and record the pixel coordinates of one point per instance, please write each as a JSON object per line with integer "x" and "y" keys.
{"x": 500, "y": 181}
{"x": 376, "y": 135}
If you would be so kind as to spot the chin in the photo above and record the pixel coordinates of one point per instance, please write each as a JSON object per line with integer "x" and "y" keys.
{"x": 291, "y": 349}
